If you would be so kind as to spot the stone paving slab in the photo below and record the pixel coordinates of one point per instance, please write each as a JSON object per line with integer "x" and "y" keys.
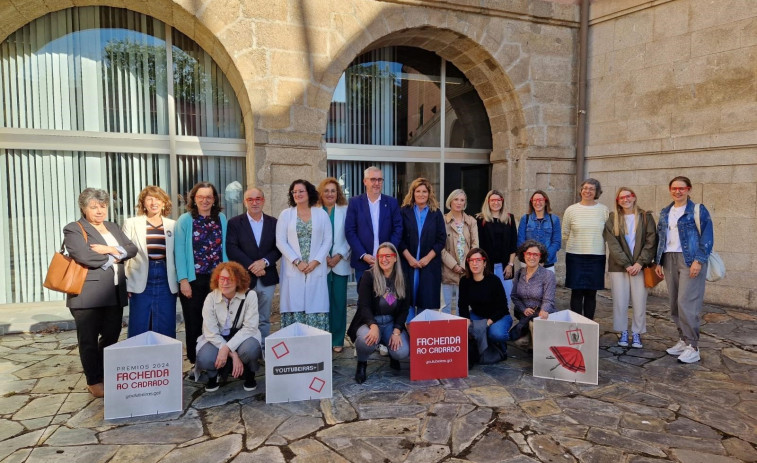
{"x": 646, "y": 408}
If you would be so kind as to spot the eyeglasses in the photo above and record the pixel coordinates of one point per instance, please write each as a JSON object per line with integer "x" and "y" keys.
{"x": 677, "y": 189}
{"x": 255, "y": 200}
{"x": 375, "y": 180}
{"x": 535, "y": 255}
{"x": 626, "y": 197}
{"x": 203, "y": 198}
{"x": 224, "y": 280}
{"x": 476, "y": 260}
{"x": 588, "y": 188}
{"x": 538, "y": 200}
{"x": 495, "y": 200}
{"x": 386, "y": 256}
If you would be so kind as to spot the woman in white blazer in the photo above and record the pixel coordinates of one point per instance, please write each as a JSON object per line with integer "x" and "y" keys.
{"x": 303, "y": 235}
{"x": 151, "y": 274}
{"x": 338, "y": 261}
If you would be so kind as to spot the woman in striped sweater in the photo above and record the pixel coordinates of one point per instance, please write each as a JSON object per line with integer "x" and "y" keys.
{"x": 582, "y": 233}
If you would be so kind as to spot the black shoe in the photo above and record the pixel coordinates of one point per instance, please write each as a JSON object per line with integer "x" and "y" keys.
{"x": 360, "y": 374}
{"x": 394, "y": 364}
{"x": 212, "y": 384}
{"x": 249, "y": 380}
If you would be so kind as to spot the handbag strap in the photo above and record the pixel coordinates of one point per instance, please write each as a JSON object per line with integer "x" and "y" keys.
{"x": 83, "y": 232}
{"x": 696, "y": 219}
{"x": 241, "y": 309}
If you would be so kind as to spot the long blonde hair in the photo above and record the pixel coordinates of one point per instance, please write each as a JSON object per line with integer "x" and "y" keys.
{"x": 379, "y": 280}
{"x": 486, "y": 212}
{"x": 618, "y": 225}
{"x": 409, "y": 200}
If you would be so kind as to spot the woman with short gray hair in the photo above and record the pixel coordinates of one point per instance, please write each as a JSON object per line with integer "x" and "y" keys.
{"x": 102, "y": 247}
{"x": 583, "y": 235}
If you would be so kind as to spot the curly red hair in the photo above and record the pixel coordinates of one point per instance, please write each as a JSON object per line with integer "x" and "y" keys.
{"x": 237, "y": 272}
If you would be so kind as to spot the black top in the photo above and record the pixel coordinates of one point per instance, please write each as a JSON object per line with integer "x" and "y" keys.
{"x": 485, "y": 298}
{"x": 369, "y": 305}
{"x": 498, "y": 239}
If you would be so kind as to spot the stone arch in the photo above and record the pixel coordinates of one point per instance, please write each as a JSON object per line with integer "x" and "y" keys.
{"x": 496, "y": 89}
{"x": 195, "y": 24}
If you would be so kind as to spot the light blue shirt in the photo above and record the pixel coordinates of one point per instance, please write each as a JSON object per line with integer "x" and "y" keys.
{"x": 257, "y": 227}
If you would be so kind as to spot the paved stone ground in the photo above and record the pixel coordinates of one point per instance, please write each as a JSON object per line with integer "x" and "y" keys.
{"x": 646, "y": 408}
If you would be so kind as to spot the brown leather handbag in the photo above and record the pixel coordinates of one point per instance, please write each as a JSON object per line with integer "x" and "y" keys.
{"x": 65, "y": 274}
{"x": 650, "y": 277}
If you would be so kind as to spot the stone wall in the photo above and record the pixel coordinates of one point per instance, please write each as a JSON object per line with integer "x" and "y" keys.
{"x": 673, "y": 91}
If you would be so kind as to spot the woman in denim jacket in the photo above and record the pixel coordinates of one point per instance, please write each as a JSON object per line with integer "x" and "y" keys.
{"x": 542, "y": 226}
{"x": 682, "y": 254}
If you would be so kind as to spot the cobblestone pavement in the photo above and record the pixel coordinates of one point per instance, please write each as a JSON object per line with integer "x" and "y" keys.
{"x": 646, "y": 408}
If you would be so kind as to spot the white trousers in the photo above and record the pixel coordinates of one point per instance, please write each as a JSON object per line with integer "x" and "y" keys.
{"x": 624, "y": 288}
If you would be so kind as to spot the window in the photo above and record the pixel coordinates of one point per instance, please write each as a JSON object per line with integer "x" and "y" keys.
{"x": 85, "y": 102}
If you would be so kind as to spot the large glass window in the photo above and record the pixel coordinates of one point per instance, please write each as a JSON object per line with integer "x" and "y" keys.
{"x": 85, "y": 102}
{"x": 388, "y": 107}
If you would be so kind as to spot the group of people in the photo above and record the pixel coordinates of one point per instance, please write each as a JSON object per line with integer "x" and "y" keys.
{"x": 406, "y": 258}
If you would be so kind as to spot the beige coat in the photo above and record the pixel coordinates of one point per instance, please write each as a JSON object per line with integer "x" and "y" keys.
{"x": 449, "y": 253}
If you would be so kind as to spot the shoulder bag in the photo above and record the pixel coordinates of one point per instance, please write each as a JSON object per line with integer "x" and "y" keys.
{"x": 715, "y": 264}
{"x": 65, "y": 274}
{"x": 650, "y": 276}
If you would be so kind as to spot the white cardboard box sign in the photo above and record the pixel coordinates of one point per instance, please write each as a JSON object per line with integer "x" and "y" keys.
{"x": 143, "y": 376}
{"x": 566, "y": 347}
{"x": 438, "y": 346}
{"x": 298, "y": 364}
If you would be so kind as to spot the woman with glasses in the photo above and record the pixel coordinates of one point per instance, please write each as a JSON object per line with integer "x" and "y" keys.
{"x": 482, "y": 297}
{"x": 685, "y": 243}
{"x": 423, "y": 238}
{"x": 583, "y": 235}
{"x": 199, "y": 247}
{"x": 382, "y": 306}
{"x": 303, "y": 235}
{"x": 541, "y": 225}
{"x": 462, "y": 235}
{"x": 230, "y": 341}
{"x": 333, "y": 202}
{"x": 498, "y": 236}
{"x": 533, "y": 287}
{"x": 632, "y": 242}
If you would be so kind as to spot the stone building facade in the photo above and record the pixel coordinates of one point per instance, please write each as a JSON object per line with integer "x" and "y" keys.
{"x": 671, "y": 91}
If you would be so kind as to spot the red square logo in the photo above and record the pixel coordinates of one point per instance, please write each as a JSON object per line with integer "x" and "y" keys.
{"x": 280, "y": 350}
{"x": 575, "y": 336}
{"x": 317, "y": 384}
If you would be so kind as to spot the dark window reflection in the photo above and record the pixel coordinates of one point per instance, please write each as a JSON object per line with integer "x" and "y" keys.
{"x": 467, "y": 121}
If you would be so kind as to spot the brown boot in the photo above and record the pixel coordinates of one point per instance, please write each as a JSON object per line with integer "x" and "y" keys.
{"x": 97, "y": 390}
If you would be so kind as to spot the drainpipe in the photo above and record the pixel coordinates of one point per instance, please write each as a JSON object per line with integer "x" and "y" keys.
{"x": 582, "y": 71}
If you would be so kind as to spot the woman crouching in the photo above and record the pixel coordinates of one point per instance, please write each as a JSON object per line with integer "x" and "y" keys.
{"x": 382, "y": 307}
{"x": 229, "y": 327}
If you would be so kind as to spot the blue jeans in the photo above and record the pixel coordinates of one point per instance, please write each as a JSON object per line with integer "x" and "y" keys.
{"x": 386, "y": 327}
{"x": 507, "y": 284}
{"x": 155, "y": 307}
{"x": 499, "y": 331}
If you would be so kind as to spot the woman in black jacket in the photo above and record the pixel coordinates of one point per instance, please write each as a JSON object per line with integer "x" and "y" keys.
{"x": 382, "y": 307}
{"x": 498, "y": 235}
{"x": 98, "y": 310}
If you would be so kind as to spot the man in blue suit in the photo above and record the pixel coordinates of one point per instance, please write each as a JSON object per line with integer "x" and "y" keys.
{"x": 251, "y": 241}
{"x": 372, "y": 218}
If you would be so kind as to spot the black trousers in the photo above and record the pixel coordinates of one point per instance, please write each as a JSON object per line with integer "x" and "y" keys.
{"x": 192, "y": 310}
{"x": 584, "y": 302}
{"x": 96, "y": 329}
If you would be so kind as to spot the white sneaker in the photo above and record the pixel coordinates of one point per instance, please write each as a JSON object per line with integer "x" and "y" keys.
{"x": 689, "y": 355}
{"x": 677, "y": 349}
{"x": 383, "y": 351}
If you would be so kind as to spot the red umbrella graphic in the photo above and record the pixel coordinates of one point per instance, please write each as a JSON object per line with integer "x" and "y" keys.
{"x": 570, "y": 358}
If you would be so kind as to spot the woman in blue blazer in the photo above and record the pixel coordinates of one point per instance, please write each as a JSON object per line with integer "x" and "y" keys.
{"x": 423, "y": 238}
